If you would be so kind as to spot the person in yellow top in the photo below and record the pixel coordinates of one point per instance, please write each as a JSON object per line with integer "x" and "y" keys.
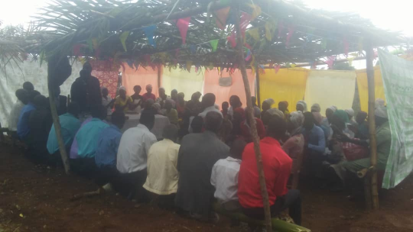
{"x": 123, "y": 101}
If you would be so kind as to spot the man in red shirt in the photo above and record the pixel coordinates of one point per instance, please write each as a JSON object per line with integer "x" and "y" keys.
{"x": 148, "y": 94}
{"x": 277, "y": 169}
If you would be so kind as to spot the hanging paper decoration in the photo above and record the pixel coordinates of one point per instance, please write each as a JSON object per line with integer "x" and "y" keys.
{"x": 256, "y": 11}
{"x": 130, "y": 63}
{"x": 149, "y": 32}
{"x": 232, "y": 40}
{"x": 77, "y": 49}
{"x": 290, "y": 34}
{"x": 214, "y": 44}
{"x": 244, "y": 22}
{"x": 277, "y": 68}
{"x": 248, "y": 54}
{"x": 346, "y": 46}
{"x": 254, "y": 33}
{"x": 280, "y": 28}
{"x": 330, "y": 61}
{"x": 269, "y": 30}
{"x": 123, "y": 38}
{"x": 183, "y": 25}
{"x": 221, "y": 17}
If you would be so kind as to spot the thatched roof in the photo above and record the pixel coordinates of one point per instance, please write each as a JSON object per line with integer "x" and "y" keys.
{"x": 96, "y": 28}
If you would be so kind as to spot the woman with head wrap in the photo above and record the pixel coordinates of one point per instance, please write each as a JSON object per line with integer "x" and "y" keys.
{"x": 267, "y": 115}
{"x": 266, "y": 105}
{"x": 123, "y": 101}
{"x": 294, "y": 146}
{"x": 283, "y": 106}
{"x": 241, "y": 125}
{"x": 301, "y": 106}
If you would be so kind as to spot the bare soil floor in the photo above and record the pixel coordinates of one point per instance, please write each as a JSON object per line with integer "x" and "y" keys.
{"x": 35, "y": 198}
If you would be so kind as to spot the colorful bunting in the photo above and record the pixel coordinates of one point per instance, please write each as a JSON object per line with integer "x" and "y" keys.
{"x": 254, "y": 33}
{"x": 244, "y": 22}
{"x": 149, "y": 32}
{"x": 123, "y": 38}
{"x": 269, "y": 30}
{"x": 248, "y": 55}
{"x": 77, "y": 49}
{"x": 256, "y": 11}
{"x": 232, "y": 40}
{"x": 183, "y": 25}
{"x": 277, "y": 68}
{"x": 221, "y": 17}
{"x": 330, "y": 61}
{"x": 214, "y": 44}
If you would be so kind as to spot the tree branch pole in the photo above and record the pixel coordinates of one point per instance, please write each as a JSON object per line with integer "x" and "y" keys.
{"x": 56, "y": 123}
{"x": 258, "y": 94}
{"x": 253, "y": 127}
{"x": 372, "y": 124}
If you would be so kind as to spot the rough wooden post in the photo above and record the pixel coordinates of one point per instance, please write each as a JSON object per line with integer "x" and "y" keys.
{"x": 372, "y": 124}
{"x": 258, "y": 87}
{"x": 253, "y": 127}
{"x": 56, "y": 123}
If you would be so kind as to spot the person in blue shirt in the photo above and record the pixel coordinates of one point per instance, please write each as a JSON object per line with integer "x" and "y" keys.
{"x": 315, "y": 143}
{"x": 69, "y": 124}
{"x": 107, "y": 149}
{"x": 23, "y": 123}
{"x": 87, "y": 140}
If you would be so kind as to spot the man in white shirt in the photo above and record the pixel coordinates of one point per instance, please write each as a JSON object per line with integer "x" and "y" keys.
{"x": 22, "y": 99}
{"x": 224, "y": 177}
{"x": 133, "y": 154}
{"x": 107, "y": 101}
{"x": 163, "y": 174}
{"x": 208, "y": 103}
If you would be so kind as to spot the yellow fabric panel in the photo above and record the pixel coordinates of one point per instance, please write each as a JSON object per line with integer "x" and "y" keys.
{"x": 183, "y": 81}
{"x": 330, "y": 87}
{"x": 363, "y": 87}
{"x": 286, "y": 85}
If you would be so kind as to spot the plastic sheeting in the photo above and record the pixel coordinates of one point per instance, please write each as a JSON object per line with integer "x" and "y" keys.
{"x": 363, "y": 87}
{"x": 183, "y": 81}
{"x": 330, "y": 87}
{"x": 29, "y": 70}
{"x": 286, "y": 85}
{"x": 222, "y": 93}
{"x": 142, "y": 77}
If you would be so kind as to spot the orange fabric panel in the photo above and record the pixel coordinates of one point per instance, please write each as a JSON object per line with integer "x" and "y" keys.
{"x": 142, "y": 77}
{"x": 211, "y": 85}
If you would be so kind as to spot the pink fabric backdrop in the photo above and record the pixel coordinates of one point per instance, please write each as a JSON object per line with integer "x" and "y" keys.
{"x": 142, "y": 77}
{"x": 106, "y": 76}
{"x": 211, "y": 85}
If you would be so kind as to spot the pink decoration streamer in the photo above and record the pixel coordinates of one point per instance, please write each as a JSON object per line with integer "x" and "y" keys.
{"x": 183, "y": 25}
{"x": 232, "y": 40}
{"x": 330, "y": 61}
{"x": 277, "y": 68}
{"x": 244, "y": 22}
{"x": 290, "y": 34}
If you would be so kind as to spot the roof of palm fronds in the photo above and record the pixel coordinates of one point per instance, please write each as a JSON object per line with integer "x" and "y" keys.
{"x": 114, "y": 29}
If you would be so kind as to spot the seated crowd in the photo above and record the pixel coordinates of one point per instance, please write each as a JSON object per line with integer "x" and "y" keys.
{"x": 205, "y": 153}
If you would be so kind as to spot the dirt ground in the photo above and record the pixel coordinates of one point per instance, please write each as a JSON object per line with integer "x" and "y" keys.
{"x": 34, "y": 198}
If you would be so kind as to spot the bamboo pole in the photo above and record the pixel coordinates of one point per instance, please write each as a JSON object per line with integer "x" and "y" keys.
{"x": 56, "y": 124}
{"x": 253, "y": 127}
{"x": 258, "y": 87}
{"x": 372, "y": 124}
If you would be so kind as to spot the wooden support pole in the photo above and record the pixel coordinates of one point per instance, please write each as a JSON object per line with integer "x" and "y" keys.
{"x": 56, "y": 123}
{"x": 258, "y": 87}
{"x": 251, "y": 119}
{"x": 372, "y": 124}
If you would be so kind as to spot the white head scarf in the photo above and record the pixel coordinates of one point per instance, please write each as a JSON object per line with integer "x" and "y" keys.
{"x": 277, "y": 112}
{"x": 304, "y": 104}
{"x": 350, "y": 112}
{"x": 297, "y": 119}
{"x": 381, "y": 112}
{"x": 316, "y": 108}
{"x": 333, "y": 108}
{"x": 122, "y": 88}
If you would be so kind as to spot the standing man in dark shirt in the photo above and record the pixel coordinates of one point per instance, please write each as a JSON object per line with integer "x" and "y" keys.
{"x": 197, "y": 155}
{"x": 85, "y": 90}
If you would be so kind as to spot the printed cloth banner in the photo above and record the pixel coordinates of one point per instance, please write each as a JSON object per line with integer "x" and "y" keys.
{"x": 285, "y": 85}
{"x": 330, "y": 87}
{"x": 107, "y": 77}
{"x": 183, "y": 81}
{"x": 363, "y": 87}
{"x": 397, "y": 76}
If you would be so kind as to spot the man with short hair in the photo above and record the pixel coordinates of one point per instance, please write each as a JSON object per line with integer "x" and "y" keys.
{"x": 23, "y": 128}
{"x": 197, "y": 155}
{"x": 148, "y": 95}
{"x": 208, "y": 104}
{"x": 163, "y": 175}
{"x": 107, "y": 100}
{"x": 161, "y": 100}
{"x": 133, "y": 154}
{"x": 28, "y": 86}
{"x": 277, "y": 169}
{"x": 22, "y": 100}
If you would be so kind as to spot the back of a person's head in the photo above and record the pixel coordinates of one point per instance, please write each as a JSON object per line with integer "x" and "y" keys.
{"x": 213, "y": 121}
{"x": 74, "y": 109}
{"x": 22, "y": 95}
{"x": 308, "y": 120}
{"x": 170, "y": 132}
{"x": 147, "y": 119}
{"x": 276, "y": 127}
{"x": 208, "y": 100}
{"x": 98, "y": 111}
{"x": 32, "y": 94}
{"x": 84, "y": 73}
{"x": 87, "y": 67}
{"x": 118, "y": 118}
{"x": 235, "y": 101}
{"x": 197, "y": 124}
{"x": 237, "y": 148}
{"x": 40, "y": 102}
{"x": 28, "y": 86}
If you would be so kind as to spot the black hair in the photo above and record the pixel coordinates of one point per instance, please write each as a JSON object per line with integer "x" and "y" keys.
{"x": 213, "y": 121}
{"x": 208, "y": 100}
{"x": 28, "y": 86}
{"x": 74, "y": 109}
{"x": 118, "y": 118}
{"x": 40, "y": 102}
{"x": 170, "y": 132}
{"x": 32, "y": 94}
{"x": 22, "y": 95}
{"x": 197, "y": 124}
{"x": 147, "y": 119}
{"x": 98, "y": 111}
{"x": 237, "y": 148}
{"x": 235, "y": 101}
{"x": 276, "y": 127}
{"x": 225, "y": 103}
{"x": 309, "y": 120}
